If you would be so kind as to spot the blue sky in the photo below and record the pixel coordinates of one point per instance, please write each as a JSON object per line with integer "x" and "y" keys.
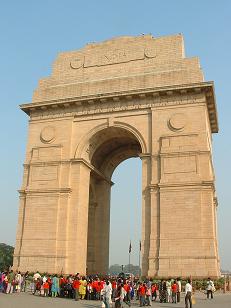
{"x": 33, "y": 32}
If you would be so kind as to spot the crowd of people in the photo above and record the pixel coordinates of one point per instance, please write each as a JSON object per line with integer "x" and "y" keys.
{"x": 110, "y": 289}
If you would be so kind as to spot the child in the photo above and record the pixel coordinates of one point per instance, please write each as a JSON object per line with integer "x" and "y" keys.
{"x": 46, "y": 288}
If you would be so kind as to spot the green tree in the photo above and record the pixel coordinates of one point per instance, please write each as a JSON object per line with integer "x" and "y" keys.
{"x": 115, "y": 269}
{"x": 6, "y": 256}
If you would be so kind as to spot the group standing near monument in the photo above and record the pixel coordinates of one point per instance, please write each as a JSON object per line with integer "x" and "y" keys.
{"x": 107, "y": 290}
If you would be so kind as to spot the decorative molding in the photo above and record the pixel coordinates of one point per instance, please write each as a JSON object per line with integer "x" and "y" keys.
{"x": 40, "y": 255}
{"x": 187, "y": 185}
{"x": 45, "y": 190}
{"x": 111, "y": 107}
{"x": 127, "y": 100}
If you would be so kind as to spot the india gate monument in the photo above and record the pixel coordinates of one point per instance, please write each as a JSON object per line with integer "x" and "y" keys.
{"x": 107, "y": 102}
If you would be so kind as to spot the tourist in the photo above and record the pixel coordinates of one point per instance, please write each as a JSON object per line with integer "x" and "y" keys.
{"x": 142, "y": 293}
{"x": 89, "y": 290}
{"x": 46, "y": 288}
{"x": 148, "y": 295}
{"x": 55, "y": 286}
{"x": 18, "y": 282}
{"x": 76, "y": 285}
{"x": 25, "y": 281}
{"x": 62, "y": 286}
{"x": 154, "y": 291}
{"x": 2, "y": 277}
{"x": 5, "y": 283}
{"x": 168, "y": 290}
{"x": 132, "y": 290}
{"x": 127, "y": 288}
{"x": 98, "y": 288}
{"x": 37, "y": 286}
{"x": 162, "y": 291}
{"x": 10, "y": 284}
{"x": 178, "y": 289}
{"x": 49, "y": 280}
{"x": 123, "y": 293}
{"x": 188, "y": 294}
{"x": 174, "y": 292}
{"x": 114, "y": 288}
{"x": 106, "y": 293}
{"x": 82, "y": 287}
{"x": 118, "y": 303}
{"x": 210, "y": 288}
{"x": 69, "y": 287}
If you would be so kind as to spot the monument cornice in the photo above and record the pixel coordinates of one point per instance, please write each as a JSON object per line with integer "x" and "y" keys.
{"x": 45, "y": 190}
{"x": 157, "y": 94}
{"x": 188, "y": 185}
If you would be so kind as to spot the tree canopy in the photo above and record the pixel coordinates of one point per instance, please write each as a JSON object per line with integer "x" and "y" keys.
{"x": 6, "y": 256}
{"x": 115, "y": 269}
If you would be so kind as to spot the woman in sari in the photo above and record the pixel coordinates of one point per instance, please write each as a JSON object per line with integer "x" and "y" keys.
{"x": 82, "y": 287}
{"x": 55, "y": 286}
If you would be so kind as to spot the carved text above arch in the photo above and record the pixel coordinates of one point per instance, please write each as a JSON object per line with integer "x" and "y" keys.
{"x": 113, "y": 56}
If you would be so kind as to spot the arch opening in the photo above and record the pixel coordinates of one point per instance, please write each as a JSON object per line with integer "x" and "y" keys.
{"x": 111, "y": 146}
{"x": 125, "y": 214}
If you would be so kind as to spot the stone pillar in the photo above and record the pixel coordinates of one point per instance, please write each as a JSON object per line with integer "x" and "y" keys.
{"x": 102, "y": 227}
{"x": 62, "y": 233}
{"x": 155, "y": 232}
{"x": 146, "y": 213}
{"x": 183, "y": 185}
{"x": 77, "y": 226}
{"x": 19, "y": 236}
{"x": 91, "y": 238}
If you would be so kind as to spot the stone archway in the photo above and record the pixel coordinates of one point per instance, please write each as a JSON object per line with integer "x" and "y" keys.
{"x": 114, "y": 145}
{"x": 129, "y": 96}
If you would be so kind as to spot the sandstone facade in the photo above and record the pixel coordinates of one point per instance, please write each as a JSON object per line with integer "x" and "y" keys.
{"x": 122, "y": 98}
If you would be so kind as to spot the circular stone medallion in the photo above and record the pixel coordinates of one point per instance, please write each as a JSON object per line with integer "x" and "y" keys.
{"x": 47, "y": 134}
{"x": 177, "y": 121}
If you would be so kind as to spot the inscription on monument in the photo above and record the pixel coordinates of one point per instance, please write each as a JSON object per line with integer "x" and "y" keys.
{"x": 112, "y": 57}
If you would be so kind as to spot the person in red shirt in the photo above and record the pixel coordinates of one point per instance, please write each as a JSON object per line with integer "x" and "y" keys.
{"x": 142, "y": 293}
{"x": 174, "y": 291}
{"x": 127, "y": 288}
{"x": 114, "y": 287}
{"x": 75, "y": 285}
{"x": 154, "y": 292}
{"x": 62, "y": 283}
{"x": 46, "y": 288}
{"x": 98, "y": 289}
{"x": 50, "y": 284}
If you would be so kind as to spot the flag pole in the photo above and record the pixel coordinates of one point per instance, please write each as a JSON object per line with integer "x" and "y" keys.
{"x": 129, "y": 257}
{"x": 139, "y": 258}
{"x": 129, "y": 260}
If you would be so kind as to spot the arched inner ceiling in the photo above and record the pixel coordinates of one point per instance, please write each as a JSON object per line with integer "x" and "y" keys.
{"x": 112, "y": 146}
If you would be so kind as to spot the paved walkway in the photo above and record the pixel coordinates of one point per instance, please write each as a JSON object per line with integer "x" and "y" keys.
{"x": 29, "y": 301}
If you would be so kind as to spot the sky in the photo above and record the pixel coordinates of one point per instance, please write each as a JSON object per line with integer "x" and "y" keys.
{"x": 32, "y": 33}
